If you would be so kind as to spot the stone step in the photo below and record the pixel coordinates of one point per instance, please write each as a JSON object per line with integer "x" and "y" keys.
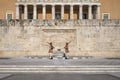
{"x": 80, "y": 69}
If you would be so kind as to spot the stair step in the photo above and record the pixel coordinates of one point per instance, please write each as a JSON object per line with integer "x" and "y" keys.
{"x": 37, "y": 68}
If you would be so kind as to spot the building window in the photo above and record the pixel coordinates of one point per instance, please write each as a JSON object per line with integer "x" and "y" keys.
{"x": 9, "y": 15}
{"x": 85, "y": 16}
{"x": 57, "y": 15}
{"x": 30, "y": 15}
{"x": 106, "y": 16}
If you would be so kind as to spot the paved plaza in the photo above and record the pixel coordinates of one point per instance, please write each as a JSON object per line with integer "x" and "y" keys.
{"x": 60, "y": 76}
{"x": 72, "y": 61}
{"x": 43, "y": 68}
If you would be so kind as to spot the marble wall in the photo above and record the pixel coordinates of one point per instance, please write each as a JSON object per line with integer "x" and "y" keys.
{"x": 98, "y": 38}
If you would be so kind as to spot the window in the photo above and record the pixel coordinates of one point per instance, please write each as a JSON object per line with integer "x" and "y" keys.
{"x": 30, "y": 15}
{"x": 57, "y": 15}
{"x": 9, "y": 15}
{"x": 106, "y": 15}
{"x": 85, "y": 16}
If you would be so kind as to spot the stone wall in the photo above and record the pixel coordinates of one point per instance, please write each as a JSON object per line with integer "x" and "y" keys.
{"x": 98, "y": 38}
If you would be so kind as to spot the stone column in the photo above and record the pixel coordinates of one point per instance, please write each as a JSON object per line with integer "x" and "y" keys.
{"x": 71, "y": 11}
{"x": 17, "y": 12}
{"x": 90, "y": 12}
{"x": 25, "y": 12}
{"x": 53, "y": 11}
{"x": 35, "y": 12}
{"x": 80, "y": 12}
{"x": 62, "y": 11}
{"x": 44, "y": 12}
{"x": 98, "y": 12}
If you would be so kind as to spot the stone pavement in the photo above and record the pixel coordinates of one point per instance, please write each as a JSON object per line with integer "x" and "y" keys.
{"x": 74, "y": 61}
{"x": 44, "y": 64}
{"x": 4, "y": 76}
{"x": 74, "y": 68}
{"x": 61, "y": 76}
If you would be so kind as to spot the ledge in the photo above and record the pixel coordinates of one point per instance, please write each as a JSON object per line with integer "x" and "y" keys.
{"x": 60, "y": 23}
{"x": 36, "y": 1}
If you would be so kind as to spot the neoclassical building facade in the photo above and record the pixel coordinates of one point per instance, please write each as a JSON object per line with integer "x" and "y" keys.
{"x": 59, "y": 9}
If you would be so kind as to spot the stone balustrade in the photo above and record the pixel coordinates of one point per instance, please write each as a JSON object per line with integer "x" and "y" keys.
{"x": 62, "y": 23}
{"x": 57, "y": 1}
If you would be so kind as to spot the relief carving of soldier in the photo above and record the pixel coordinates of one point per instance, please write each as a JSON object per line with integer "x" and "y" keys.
{"x": 51, "y": 47}
{"x": 67, "y": 47}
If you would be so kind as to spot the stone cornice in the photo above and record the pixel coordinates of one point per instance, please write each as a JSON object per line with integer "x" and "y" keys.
{"x": 58, "y": 1}
{"x": 63, "y": 23}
